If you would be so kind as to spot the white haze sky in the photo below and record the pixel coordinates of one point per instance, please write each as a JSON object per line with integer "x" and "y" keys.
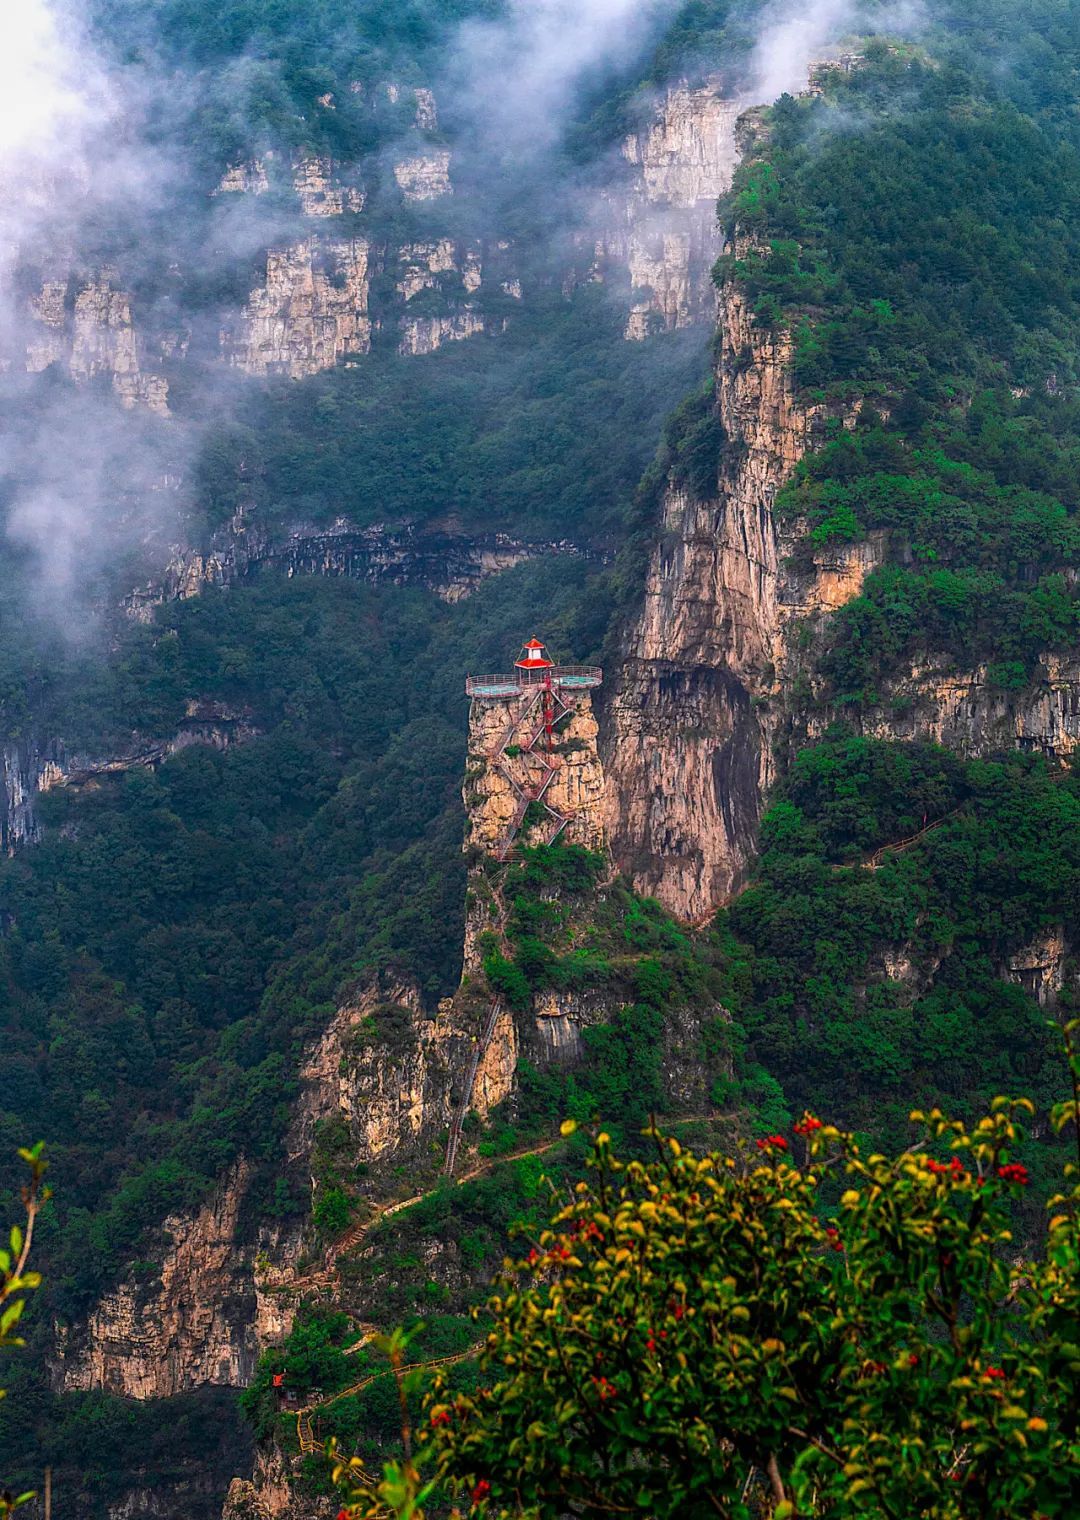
{"x": 55, "y": 101}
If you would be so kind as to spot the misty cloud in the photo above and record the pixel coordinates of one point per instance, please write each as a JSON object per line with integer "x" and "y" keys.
{"x": 517, "y": 77}
{"x": 794, "y": 35}
{"x": 80, "y": 477}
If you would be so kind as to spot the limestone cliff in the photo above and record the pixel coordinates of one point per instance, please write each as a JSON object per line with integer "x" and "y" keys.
{"x": 707, "y": 702}
{"x": 189, "y": 1324}
{"x": 661, "y": 229}
{"x": 87, "y": 328}
{"x": 1043, "y": 968}
{"x": 688, "y": 742}
{"x": 449, "y": 563}
{"x": 381, "y": 1067}
{"x": 423, "y": 335}
{"x": 446, "y": 274}
{"x": 268, "y": 1494}
{"x": 324, "y": 189}
{"x": 311, "y": 314}
{"x": 566, "y": 782}
{"x": 424, "y": 176}
{"x": 496, "y": 779}
{"x": 244, "y": 179}
{"x": 966, "y": 712}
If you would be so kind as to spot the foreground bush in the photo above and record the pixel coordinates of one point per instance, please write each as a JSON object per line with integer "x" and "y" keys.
{"x": 801, "y": 1331}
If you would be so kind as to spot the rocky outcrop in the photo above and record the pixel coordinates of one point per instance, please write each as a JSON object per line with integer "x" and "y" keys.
{"x": 967, "y": 712}
{"x": 421, "y": 266}
{"x": 321, "y": 188}
{"x": 423, "y": 335}
{"x": 188, "y": 1325}
{"x": 446, "y": 274}
{"x": 268, "y": 1494}
{"x": 662, "y": 230}
{"x": 449, "y": 564}
{"x": 31, "y": 768}
{"x": 427, "y": 114}
{"x": 425, "y": 176}
{"x": 1040, "y": 968}
{"x": 244, "y": 179}
{"x": 311, "y": 314}
{"x": 688, "y": 742}
{"x": 495, "y": 779}
{"x": 707, "y": 700}
{"x": 87, "y": 327}
{"x": 382, "y": 1068}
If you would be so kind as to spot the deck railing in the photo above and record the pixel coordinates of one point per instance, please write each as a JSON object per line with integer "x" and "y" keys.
{"x": 508, "y": 682}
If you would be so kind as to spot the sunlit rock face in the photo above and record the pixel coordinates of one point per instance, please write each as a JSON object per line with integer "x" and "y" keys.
{"x": 311, "y": 313}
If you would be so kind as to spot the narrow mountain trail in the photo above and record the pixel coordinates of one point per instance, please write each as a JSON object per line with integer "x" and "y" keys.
{"x": 358, "y": 1232}
{"x": 306, "y": 1438}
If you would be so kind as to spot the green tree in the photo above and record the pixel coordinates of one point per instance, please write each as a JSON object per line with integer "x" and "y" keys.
{"x": 17, "y": 1280}
{"x": 803, "y": 1329}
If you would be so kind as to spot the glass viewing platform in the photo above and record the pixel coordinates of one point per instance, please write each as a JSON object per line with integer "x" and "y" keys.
{"x": 513, "y": 683}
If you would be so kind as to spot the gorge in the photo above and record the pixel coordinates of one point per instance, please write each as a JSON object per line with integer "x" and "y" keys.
{"x": 764, "y": 407}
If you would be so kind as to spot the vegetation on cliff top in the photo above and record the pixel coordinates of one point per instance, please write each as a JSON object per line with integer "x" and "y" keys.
{"x": 923, "y": 259}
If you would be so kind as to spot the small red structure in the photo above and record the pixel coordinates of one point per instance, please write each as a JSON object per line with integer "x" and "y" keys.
{"x": 533, "y": 657}
{"x": 279, "y": 1380}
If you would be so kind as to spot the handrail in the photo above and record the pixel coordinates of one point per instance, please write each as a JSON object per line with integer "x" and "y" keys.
{"x": 521, "y": 680}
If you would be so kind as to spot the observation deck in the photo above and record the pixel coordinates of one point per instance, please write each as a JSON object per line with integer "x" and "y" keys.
{"x": 514, "y": 683}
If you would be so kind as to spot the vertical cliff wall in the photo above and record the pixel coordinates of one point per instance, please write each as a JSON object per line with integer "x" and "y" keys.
{"x": 500, "y": 773}
{"x": 189, "y": 1324}
{"x": 715, "y": 691}
{"x": 688, "y": 740}
{"x": 661, "y": 229}
{"x": 86, "y": 326}
{"x": 311, "y": 314}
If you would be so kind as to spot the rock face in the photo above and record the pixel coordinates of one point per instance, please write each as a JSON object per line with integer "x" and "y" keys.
{"x": 706, "y": 704}
{"x": 687, "y": 744}
{"x": 446, "y": 274}
{"x": 449, "y": 564}
{"x": 423, "y": 335}
{"x": 321, "y": 193}
{"x": 424, "y": 177}
{"x": 495, "y": 780}
{"x": 190, "y": 1325}
{"x": 88, "y": 329}
{"x": 29, "y": 768}
{"x": 311, "y": 314}
{"x": 964, "y": 711}
{"x": 663, "y": 229}
{"x": 382, "y": 1068}
{"x": 1040, "y": 967}
{"x": 244, "y": 179}
{"x": 268, "y": 1494}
